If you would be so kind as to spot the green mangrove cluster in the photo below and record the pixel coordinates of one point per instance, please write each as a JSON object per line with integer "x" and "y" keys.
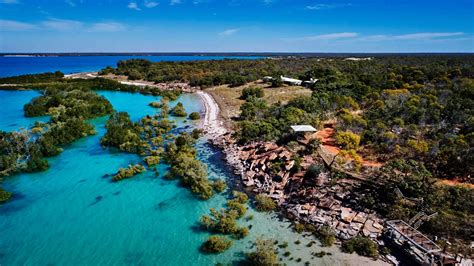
{"x": 180, "y": 154}
{"x": 68, "y": 107}
{"x": 144, "y": 137}
{"x": 69, "y": 103}
{"x": 224, "y": 221}
{"x": 128, "y": 172}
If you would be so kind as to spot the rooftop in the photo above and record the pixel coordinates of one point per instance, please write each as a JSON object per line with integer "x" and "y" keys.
{"x": 303, "y": 128}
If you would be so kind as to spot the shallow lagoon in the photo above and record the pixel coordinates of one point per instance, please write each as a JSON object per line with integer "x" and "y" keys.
{"x": 72, "y": 215}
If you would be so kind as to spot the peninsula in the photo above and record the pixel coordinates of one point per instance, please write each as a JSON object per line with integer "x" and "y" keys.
{"x": 373, "y": 154}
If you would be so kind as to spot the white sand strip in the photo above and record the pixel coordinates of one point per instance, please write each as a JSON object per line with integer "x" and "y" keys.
{"x": 211, "y": 123}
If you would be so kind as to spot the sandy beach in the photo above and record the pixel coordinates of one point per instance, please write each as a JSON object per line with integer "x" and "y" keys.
{"x": 211, "y": 123}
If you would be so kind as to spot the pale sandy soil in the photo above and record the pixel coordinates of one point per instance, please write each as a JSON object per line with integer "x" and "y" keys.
{"x": 211, "y": 122}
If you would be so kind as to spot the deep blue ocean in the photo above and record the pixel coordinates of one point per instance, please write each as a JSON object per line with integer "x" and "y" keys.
{"x": 19, "y": 65}
{"x": 72, "y": 215}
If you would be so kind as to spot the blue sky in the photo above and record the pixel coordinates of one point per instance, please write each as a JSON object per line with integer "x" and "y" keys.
{"x": 236, "y": 26}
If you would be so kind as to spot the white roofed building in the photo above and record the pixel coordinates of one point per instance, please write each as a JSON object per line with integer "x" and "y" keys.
{"x": 303, "y": 128}
{"x": 291, "y": 81}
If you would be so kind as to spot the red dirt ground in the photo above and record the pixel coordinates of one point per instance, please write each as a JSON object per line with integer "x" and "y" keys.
{"x": 326, "y": 136}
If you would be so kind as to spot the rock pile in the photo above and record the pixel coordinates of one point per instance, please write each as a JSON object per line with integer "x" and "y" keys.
{"x": 273, "y": 170}
{"x": 185, "y": 87}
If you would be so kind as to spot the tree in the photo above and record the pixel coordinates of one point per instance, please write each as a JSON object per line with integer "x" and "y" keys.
{"x": 194, "y": 116}
{"x": 264, "y": 254}
{"x": 128, "y": 172}
{"x": 4, "y": 195}
{"x": 361, "y": 245}
{"x": 327, "y": 236}
{"x": 216, "y": 244}
{"x": 178, "y": 110}
{"x": 264, "y": 203}
{"x": 348, "y": 140}
{"x": 252, "y": 92}
{"x": 222, "y": 221}
{"x": 277, "y": 82}
{"x": 219, "y": 185}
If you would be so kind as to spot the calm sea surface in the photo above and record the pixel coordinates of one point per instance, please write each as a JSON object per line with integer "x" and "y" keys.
{"x": 72, "y": 215}
{"x": 19, "y": 65}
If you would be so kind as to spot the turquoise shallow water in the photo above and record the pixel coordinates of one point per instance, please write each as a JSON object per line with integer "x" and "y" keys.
{"x": 11, "y": 109}
{"x": 72, "y": 215}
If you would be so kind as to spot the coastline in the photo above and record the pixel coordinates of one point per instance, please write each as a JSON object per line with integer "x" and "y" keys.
{"x": 218, "y": 135}
{"x": 221, "y": 138}
{"x": 211, "y": 124}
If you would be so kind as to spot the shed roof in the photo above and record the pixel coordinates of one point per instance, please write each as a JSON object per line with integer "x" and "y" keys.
{"x": 303, "y": 128}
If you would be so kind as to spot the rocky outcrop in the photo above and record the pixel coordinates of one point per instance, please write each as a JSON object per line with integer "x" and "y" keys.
{"x": 271, "y": 169}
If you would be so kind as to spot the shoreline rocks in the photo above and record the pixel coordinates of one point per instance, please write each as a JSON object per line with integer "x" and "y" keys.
{"x": 319, "y": 202}
{"x": 267, "y": 168}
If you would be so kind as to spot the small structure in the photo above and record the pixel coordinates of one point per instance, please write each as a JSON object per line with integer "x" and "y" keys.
{"x": 303, "y": 128}
{"x": 291, "y": 81}
{"x": 417, "y": 245}
{"x": 303, "y": 133}
{"x": 358, "y": 58}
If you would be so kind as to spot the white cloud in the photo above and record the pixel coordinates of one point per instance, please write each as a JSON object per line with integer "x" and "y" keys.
{"x": 106, "y": 27}
{"x": 427, "y": 35}
{"x": 150, "y": 4}
{"x": 330, "y": 36}
{"x": 62, "y": 24}
{"x": 175, "y": 2}
{"x": 229, "y": 32}
{"x": 326, "y": 6}
{"x": 11, "y": 25}
{"x": 9, "y": 2}
{"x": 134, "y": 6}
{"x": 413, "y": 36}
{"x": 70, "y": 2}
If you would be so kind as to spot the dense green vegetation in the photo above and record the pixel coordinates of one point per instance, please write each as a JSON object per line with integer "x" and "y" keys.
{"x": 326, "y": 235}
{"x": 33, "y": 78}
{"x": 454, "y": 204}
{"x": 144, "y": 137}
{"x": 252, "y": 92}
{"x": 128, "y": 172}
{"x": 264, "y": 203}
{"x": 56, "y": 81}
{"x": 181, "y": 155}
{"x": 361, "y": 245}
{"x": 123, "y": 134}
{"x": 224, "y": 221}
{"x": 264, "y": 254}
{"x": 69, "y": 107}
{"x": 219, "y": 185}
{"x": 416, "y": 107}
{"x": 194, "y": 116}
{"x": 178, "y": 110}
{"x": 4, "y": 195}
{"x": 410, "y": 107}
{"x": 216, "y": 244}
{"x": 69, "y": 103}
{"x": 419, "y": 108}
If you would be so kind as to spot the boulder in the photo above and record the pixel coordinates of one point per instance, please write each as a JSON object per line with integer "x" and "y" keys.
{"x": 360, "y": 218}
{"x": 347, "y": 214}
{"x": 326, "y": 203}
